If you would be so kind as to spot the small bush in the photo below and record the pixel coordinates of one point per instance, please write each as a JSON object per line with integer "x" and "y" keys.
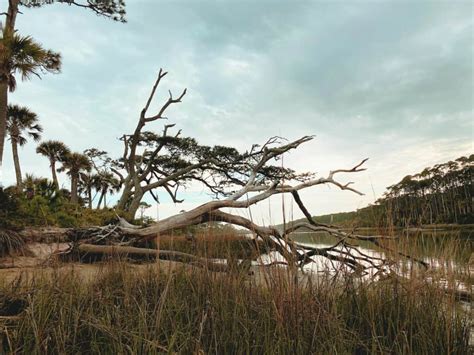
{"x": 10, "y": 215}
{"x": 65, "y": 220}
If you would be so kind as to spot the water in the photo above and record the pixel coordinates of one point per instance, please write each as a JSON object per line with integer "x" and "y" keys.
{"x": 449, "y": 253}
{"x": 446, "y": 251}
{"x": 433, "y": 246}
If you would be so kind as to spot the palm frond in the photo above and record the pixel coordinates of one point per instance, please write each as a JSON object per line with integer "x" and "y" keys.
{"x": 23, "y": 55}
{"x": 22, "y": 120}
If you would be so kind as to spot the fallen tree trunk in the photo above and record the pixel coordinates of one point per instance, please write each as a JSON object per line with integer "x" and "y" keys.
{"x": 120, "y": 251}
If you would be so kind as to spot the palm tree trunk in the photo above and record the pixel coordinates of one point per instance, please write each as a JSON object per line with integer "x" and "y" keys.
{"x": 3, "y": 119}
{"x": 9, "y": 26}
{"x": 89, "y": 196}
{"x": 74, "y": 179}
{"x": 16, "y": 161}
{"x": 100, "y": 199}
{"x": 52, "y": 164}
{"x": 11, "y": 14}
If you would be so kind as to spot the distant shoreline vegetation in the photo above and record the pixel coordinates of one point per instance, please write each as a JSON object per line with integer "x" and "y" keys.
{"x": 439, "y": 196}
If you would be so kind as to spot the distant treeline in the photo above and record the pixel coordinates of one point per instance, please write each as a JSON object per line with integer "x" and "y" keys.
{"x": 440, "y": 194}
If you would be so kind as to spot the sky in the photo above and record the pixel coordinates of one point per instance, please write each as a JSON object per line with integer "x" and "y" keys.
{"x": 391, "y": 81}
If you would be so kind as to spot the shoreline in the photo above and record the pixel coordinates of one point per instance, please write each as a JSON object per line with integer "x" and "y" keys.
{"x": 422, "y": 228}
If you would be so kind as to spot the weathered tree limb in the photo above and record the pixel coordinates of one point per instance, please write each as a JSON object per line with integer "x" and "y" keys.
{"x": 123, "y": 223}
{"x": 195, "y": 216}
{"x": 90, "y": 249}
{"x": 132, "y": 182}
{"x": 302, "y": 207}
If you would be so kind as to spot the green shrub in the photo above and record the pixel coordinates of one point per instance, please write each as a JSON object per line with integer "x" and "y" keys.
{"x": 9, "y": 210}
{"x": 65, "y": 220}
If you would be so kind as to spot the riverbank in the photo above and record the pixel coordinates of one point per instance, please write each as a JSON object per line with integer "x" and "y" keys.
{"x": 421, "y": 228}
{"x": 441, "y": 227}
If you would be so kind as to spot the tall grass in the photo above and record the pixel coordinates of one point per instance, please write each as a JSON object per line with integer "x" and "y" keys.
{"x": 148, "y": 310}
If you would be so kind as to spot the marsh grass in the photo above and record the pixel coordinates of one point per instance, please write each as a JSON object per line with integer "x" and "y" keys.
{"x": 125, "y": 311}
{"x": 148, "y": 309}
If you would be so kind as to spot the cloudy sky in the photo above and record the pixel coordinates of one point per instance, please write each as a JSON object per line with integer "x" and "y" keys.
{"x": 388, "y": 80}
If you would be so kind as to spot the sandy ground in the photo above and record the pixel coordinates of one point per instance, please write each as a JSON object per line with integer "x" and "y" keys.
{"x": 40, "y": 260}
{"x": 87, "y": 272}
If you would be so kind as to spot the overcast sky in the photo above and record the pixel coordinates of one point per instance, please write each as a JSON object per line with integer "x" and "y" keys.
{"x": 392, "y": 81}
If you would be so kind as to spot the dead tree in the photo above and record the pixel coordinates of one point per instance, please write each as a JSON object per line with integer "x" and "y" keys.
{"x": 168, "y": 161}
{"x": 250, "y": 188}
{"x": 237, "y": 181}
{"x": 248, "y": 181}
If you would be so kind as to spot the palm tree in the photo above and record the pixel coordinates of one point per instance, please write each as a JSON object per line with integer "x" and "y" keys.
{"x": 39, "y": 186}
{"x": 30, "y": 183}
{"x": 55, "y": 151}
{"x": 107, "y": 184}
{"x": 21, "y": 123}
{"x": 20, "y": 55}
{"x": 87, "y": 183}
{"x": 74, "y": 164}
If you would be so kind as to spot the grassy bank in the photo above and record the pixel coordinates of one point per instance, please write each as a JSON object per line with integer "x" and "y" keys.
{"x": 123, "y": 311}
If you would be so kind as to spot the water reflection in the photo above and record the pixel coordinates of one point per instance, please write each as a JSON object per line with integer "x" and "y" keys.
{"x": 432, "y": 246}
{"x": 447, "y": 252}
